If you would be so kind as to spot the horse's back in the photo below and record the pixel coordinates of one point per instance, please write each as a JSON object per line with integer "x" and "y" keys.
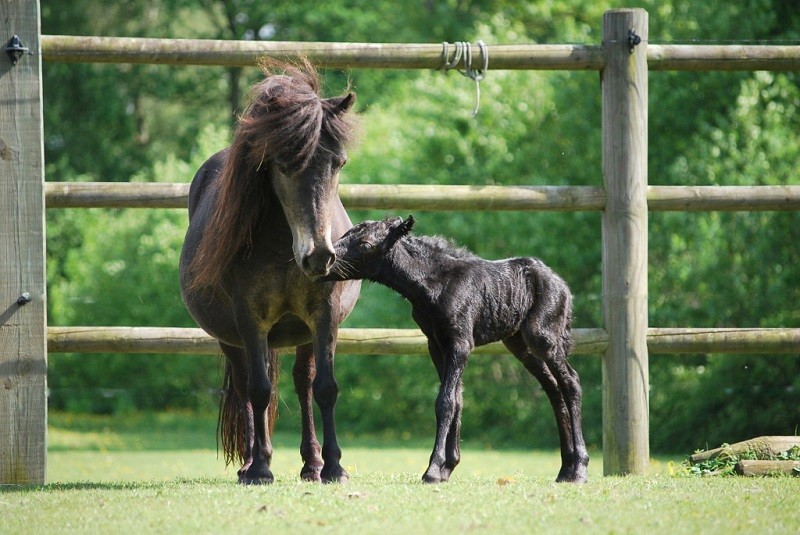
{"x": 204, "y": 178}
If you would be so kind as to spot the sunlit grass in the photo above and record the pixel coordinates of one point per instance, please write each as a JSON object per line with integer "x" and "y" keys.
{"x": 151, "y": 474}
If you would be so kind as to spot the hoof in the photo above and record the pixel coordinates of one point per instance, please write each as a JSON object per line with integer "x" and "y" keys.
{"x": 311, "y": 474}
{"x": 259, "y": 480}
{"x": 334, "y": 476}
{"x": 436, "y": 474}
{"x": 573, "y": 477}
{"x": 255, "y": 477}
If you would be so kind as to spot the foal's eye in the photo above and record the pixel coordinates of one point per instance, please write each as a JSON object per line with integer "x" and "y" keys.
{"x": 366, "y": 246}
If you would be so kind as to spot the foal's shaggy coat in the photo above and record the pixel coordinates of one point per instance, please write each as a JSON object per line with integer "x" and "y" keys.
{"x": 461, "y": 301}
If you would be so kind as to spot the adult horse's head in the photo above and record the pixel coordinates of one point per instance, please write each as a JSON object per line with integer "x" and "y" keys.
{"x": 306, "y": 172}
{"x": 293, "y": 141}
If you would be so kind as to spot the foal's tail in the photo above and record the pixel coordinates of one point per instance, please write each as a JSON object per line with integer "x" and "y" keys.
{"x": 552, "y": 312}
{"x": 567, "y": 341}
{"x": 232, "y": 426}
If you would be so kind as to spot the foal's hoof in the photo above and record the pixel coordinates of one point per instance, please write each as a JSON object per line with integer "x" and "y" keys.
{"x": 427, "y": 478}
{"x": 436, "y": 475}
{"x": 573, "y": 476}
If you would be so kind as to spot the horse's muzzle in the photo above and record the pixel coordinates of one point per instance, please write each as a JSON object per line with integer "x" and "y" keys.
{"x": 318, "y": 263}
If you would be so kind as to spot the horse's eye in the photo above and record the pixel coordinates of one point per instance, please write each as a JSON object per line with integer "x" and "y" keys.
{"x": 366, "y": 246}
{"x": 282, "y": 167}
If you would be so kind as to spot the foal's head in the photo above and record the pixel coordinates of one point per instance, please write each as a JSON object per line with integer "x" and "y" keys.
{"x": 363, "y": 249}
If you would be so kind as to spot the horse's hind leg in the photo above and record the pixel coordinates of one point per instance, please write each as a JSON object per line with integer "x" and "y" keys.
{"x": 303, "y": 373}
{"x": 574, "y": 457}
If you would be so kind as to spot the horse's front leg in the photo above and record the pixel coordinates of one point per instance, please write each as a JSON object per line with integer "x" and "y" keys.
{"x": 303, "y": 373}
{"x": 259, "y": 388}
{"x": 445, "y": 453}
{"x": 326, "y": 391}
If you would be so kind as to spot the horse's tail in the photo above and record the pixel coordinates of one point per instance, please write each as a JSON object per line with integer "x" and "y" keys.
{"x": 274, "y": 371}
{"x": 232, "y": 426}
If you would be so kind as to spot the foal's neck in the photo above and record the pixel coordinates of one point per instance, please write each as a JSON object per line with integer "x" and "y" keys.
{"x": 411, "y": 271}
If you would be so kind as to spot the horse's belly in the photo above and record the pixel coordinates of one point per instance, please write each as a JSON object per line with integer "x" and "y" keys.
{"x": 290, "y": 331}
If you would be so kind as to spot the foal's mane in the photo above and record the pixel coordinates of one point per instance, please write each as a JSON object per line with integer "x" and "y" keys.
{"x": 285, "y": 118}
{"x": 426, "y": 245}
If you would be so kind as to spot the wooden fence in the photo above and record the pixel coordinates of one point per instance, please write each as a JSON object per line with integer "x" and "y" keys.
{"x": 624, "y": 201}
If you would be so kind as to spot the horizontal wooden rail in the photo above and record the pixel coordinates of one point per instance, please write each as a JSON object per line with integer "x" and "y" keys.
{"x": 171, "y": 340}
{"x": 723, "y": 57}
{"x": 71, "y": 48}
{"x": 723, "y": 198}
{"x": 723, "y": 340}
{"x": 440, "y": 198}
{"x": 196, "y": 341}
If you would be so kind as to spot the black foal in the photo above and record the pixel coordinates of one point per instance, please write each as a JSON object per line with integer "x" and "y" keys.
{"x": 461, "y": 301}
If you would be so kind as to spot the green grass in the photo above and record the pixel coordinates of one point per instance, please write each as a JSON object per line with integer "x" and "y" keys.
{"x": 160, "y": 473}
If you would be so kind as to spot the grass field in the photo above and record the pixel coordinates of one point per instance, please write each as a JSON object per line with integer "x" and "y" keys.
{"x": 160, "y": 474}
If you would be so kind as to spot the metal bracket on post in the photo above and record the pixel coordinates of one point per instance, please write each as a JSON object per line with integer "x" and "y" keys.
{"x": 15, "y": 50}
{"x": 633, "y": 40}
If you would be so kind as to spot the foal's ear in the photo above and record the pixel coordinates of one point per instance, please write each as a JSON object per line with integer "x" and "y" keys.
{"x": 399, "y": 229}
{"x": 407, "y": 224}
{"x": 342, "y": 104}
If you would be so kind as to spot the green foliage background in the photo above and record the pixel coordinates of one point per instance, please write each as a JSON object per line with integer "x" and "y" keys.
{"x": 159, "y": 123}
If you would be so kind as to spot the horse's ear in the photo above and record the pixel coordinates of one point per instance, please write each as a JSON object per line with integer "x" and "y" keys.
{"x": 342, "y": 104}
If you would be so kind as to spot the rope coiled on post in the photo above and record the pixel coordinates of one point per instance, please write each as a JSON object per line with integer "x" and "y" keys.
{"x": 464, "y": 49}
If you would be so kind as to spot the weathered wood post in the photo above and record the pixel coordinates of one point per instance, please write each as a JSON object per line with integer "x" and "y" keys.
{"x": 23, "y": 354}
{"x": 626, "y": 448}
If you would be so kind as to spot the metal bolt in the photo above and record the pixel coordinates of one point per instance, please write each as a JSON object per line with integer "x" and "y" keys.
{"x": 24, "y": 299}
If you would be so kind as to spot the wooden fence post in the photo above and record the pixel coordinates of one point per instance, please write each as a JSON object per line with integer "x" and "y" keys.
{"x": 23, "y": 353}
{"x": 626, "y": 447}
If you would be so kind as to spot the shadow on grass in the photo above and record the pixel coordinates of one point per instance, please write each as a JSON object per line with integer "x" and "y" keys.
{"x": 112, "y": 485}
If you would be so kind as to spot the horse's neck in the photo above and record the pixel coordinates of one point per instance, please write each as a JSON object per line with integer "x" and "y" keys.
{"x": 272, "y": 229}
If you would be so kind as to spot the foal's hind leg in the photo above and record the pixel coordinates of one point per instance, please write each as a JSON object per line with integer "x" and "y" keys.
{"x": 303, "y": 373}
{"x": 563, "y": 387}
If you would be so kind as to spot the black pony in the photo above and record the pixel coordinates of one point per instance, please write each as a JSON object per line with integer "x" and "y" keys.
{"x": 461, "y": 301}
{"x": 262, "y": 216}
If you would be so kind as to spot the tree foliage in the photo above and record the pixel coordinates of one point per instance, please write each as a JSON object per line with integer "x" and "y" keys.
{"x": 157, "y": 123}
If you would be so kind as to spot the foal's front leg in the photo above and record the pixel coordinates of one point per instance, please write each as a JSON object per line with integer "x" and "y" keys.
{"x": 445, "y": 449}
{"x": 453, "y": 441}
